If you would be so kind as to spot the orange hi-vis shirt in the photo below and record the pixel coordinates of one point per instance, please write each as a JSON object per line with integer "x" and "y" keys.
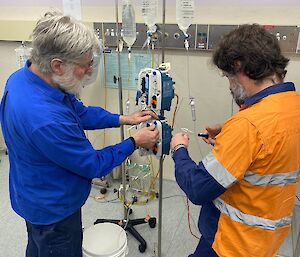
{"x": 259, "y": 149}
{"x": 247, "y": 184}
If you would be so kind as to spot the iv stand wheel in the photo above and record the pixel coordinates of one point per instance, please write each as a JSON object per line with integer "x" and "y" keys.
{"x": 142, "y": 248}
{"x": 152, "y": 222}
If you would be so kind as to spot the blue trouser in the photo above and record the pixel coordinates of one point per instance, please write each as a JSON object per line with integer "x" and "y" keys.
{"x": 204, "y": 249}
{"x": 61, "y": 239}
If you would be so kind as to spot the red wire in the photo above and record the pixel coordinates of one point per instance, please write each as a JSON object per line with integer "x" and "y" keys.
{"x": 189, "y": 219}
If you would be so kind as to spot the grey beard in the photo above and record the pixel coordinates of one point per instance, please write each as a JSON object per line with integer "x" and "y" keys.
{"x": 239, "y": 94}
{"x": 69, "y": 84}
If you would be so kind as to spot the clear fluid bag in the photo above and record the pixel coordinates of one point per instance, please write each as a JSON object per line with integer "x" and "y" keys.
{"x": 185, "y": 14}
{"x": 149, "y": 12}
{"x": 128, "y": 23}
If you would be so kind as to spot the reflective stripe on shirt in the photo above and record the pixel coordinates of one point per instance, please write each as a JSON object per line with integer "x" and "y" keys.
{"x": 217, "y": 171}
{"x": 277, "y": 179}
{"x": 251, "y": 220}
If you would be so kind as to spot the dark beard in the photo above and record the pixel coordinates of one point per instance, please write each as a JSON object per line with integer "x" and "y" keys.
{"x": 239, "y": 102}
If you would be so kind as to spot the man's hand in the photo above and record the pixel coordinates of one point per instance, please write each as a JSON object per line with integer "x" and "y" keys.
{"x": 146, "y": 137}
{"x": 212, "y": 132}
{"x": 179, "y": 138}
{"x": 138, "y": 117}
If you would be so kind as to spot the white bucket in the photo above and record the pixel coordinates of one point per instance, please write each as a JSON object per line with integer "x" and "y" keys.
{"x": 104, "y": 240}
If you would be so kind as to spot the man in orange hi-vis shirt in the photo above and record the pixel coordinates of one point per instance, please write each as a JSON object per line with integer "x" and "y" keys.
{"x": 247, "y": 184}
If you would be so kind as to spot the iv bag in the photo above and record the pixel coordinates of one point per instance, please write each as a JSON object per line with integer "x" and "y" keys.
{"x": 184, "y": 14}
{"x": 149, "y": 12}
{"x": 22, "y": 55}
{"x": 128, "y": 23}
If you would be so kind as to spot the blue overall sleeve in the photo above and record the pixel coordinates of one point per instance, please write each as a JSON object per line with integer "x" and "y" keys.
{"x": 199, "y": 186}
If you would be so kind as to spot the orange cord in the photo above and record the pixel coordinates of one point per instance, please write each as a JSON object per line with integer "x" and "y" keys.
{"x": 189, "y": 219}
{"x": 174, "y": 114}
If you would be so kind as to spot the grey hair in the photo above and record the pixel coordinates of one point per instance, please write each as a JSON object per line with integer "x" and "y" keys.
{"x": 62, "y": 37}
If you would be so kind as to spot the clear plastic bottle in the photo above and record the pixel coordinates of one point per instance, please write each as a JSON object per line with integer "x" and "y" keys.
{"x": 128, "y": 23}
{"x": 22, "y": 54}
{"x": 185, "y": 14}
{"x": 149, "y": 12}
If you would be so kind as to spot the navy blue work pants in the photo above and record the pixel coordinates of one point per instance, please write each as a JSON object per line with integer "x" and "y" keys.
{"x": 61, "y": 239}
{"x": 204, "y": 249}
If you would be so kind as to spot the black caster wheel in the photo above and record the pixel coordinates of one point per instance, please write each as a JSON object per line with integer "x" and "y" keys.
{"x": 142, "y": 248}
{"x": 130, "y": 211}
{"x": 152, "y": 222}
{"x": 103, "y": 190}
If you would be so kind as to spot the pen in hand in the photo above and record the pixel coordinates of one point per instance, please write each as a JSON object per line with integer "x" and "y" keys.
{"x": 206, "y": 136}
{"x": 203, "y": 135}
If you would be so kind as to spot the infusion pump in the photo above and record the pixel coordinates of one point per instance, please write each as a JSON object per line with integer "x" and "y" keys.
{"x": 155, "y": 90}
{"x": 165, "y": 135}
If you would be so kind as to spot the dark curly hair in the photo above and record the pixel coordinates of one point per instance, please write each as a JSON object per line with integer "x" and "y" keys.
{"x": 253, "y": 50}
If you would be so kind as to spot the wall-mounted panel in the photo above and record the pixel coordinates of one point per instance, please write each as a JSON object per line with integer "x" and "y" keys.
{"x": 110, "y": 33}
{"x": 216, "y": 32}
{"x": 201, "y": 37}
{"x": 107, "y": 31}
{"x": 98, "y": 29}
{"x": 287, "y": 37}
{"x": 175, "y": 37}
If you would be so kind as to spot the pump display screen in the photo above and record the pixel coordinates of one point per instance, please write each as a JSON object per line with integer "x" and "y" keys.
{"x": 147, "y": 87}
{"x": 147, "y": 83}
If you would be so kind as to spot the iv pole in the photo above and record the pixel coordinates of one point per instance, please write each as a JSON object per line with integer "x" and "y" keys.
{"x": 161, "y": 158}
{"x": 120, "y": 105}
{"x": 126, "y": 223}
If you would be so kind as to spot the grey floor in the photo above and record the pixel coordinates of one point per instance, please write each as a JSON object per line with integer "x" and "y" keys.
{"x": 176, "y": 238}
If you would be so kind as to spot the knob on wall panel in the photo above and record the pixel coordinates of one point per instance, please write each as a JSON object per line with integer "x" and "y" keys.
{"x": 98, "y": 29}
{"x": 110, "y": 35}
{"x": 174, "y": 38}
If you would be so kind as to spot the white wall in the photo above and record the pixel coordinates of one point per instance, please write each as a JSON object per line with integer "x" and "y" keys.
{"x": 213, "y": 102}
{"x": 17, "y": 18}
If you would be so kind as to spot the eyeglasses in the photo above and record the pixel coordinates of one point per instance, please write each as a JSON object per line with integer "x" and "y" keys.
{"x": 86, "y": 66}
